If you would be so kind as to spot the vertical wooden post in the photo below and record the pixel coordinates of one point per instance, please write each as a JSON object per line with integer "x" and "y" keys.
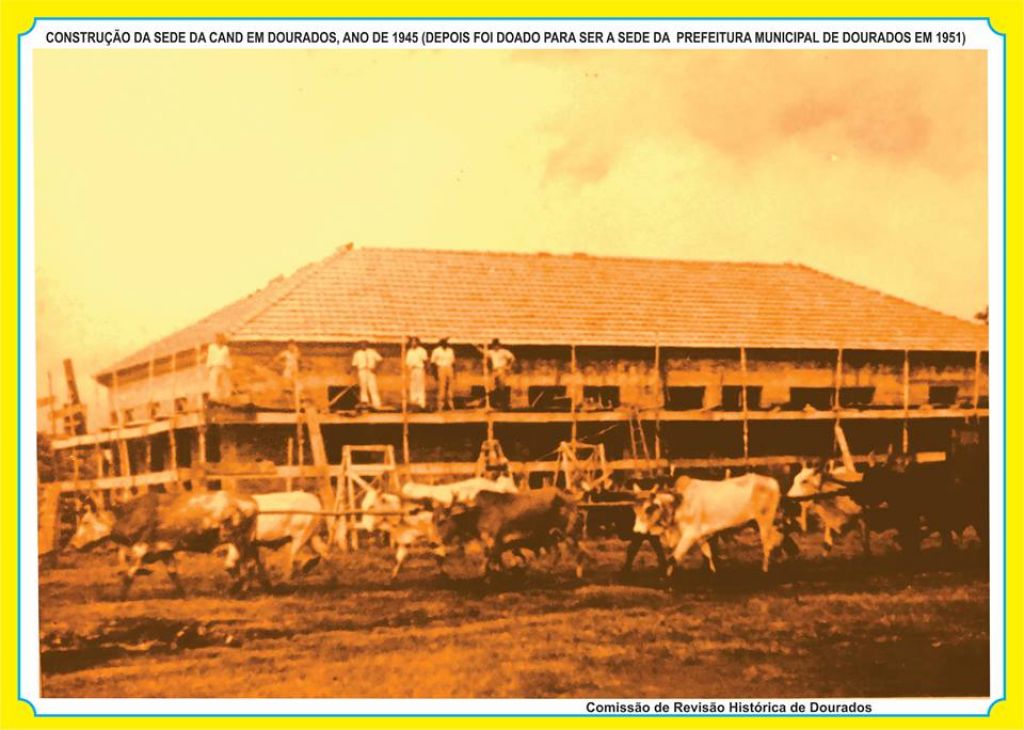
{"x": 300, "y": 451}
{"x": 115, "y": 405}
{"x": 202, "y": 379}
{"x": 172, "y": 427}
{"x": 149, "y": 389}
{"x": 487, "y": 396}
{"x": 112, "y": 401}
{"x": 123, "y": 457}
{"x": 906, "y": 401}
{"x": 838, "y": 382}
{"x": 660, "y": 395}
{"x": 288, "y": 462}
{"x": 743, "y": 403}
{"x": 77, "y": 417}
{"x": 202, "y": 443}
{"x": 836, "y": 400}
{"x": 977, "y": 382}
{"x": 172, "y": 447}
{"x": 300, "y": 446}
{"x": 574, "y": 385}
{"x": 405, "y": 408}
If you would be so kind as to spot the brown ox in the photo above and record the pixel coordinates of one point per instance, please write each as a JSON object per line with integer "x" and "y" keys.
{"x": 154, "y": 527}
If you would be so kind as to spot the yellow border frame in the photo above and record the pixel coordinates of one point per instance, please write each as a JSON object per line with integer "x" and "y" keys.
{"x": 17, "y": 17}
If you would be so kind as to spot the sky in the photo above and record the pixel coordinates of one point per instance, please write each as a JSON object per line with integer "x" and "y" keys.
{"x": 172, "y": 182}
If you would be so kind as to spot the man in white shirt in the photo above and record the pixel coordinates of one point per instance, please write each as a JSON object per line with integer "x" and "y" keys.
{"x": 416, "y": 362}
{"x": 500, "y": 361}
{"x": 289, "y": 359}
{"x": 443, "y": 358}
{"x": 218, "y": 367}
{"x": 365, "y": 361}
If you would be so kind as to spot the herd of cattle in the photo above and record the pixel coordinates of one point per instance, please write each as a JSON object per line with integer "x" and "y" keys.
{"x": 510, "y": 526}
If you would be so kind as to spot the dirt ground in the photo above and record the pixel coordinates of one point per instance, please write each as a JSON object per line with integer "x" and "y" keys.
{"x": 814, "y": 626}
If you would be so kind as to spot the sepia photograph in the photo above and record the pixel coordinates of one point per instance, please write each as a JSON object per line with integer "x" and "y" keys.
{"x": 513, "y": 373}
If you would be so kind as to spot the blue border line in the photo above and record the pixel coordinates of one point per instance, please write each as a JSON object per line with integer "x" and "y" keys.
{"x": 36, "y": 19}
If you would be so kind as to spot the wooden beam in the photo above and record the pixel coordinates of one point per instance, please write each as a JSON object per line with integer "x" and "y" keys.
{"x": 577, "y": 389}
{"x": 844, "y": 447}
{"x": 149, "y": 388}
{"x": 487, "y": 395}
{"x": 191, "y": 420}
{"x": 444, "y": 469}
{"x": 319, "y": 452}
{"x": 405, "y": 404}
{"x": 200, "y": 474}
{"x": 838, "y": 381}
{"x": 660, "y": 394}
{"x": 172, "y": 445}
{"x": 906, "y": 401}
{"x": 743, "y": 404}
{"x": 75, "y": 419}
{"x": 288, "y": 462}
{"x": 977, "y": 382}
{"x": 98, "y": 457}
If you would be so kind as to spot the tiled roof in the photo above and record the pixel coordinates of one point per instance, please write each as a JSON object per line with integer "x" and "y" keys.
{"x": 384, "y": 294}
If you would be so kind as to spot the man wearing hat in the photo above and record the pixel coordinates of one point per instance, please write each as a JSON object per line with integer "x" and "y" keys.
{"x": 500, "y": 361}
{"x": 416, "y": 361}
{"x": 442, "y": 357}
{"x": 365, "y": 361}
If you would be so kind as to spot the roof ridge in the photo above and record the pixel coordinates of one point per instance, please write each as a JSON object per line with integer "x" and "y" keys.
{"x": 578, "y": 255}
{"x": 893, "y": 297}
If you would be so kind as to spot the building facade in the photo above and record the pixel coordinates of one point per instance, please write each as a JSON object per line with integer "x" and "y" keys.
{"x": 666, "y": 364}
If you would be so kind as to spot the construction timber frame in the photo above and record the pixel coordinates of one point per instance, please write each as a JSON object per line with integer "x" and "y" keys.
{"x": 187, "y": 441}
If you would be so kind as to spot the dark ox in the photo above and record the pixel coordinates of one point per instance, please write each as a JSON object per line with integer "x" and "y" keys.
{"x": 153, "y": 527}
{"x": 914, "y": 499}
{"x": 534, "y": 520}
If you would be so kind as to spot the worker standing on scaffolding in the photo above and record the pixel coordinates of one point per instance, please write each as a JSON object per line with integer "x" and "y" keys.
{"x": 218, "y": 367}
{"x": 416, "y": 361}
{"x": 500, "y": 361}
{"x": 442, "y": 357}
{"x": 289, "y": 359}
{"x": 365, "y": 361}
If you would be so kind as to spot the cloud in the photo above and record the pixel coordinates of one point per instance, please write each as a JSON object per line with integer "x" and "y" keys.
{"x": 895, "y": 107}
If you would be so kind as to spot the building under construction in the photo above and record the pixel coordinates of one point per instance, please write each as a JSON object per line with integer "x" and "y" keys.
{"x": 658, "y": 364}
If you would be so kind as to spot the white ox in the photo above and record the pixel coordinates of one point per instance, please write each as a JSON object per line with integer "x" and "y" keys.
{"x": 290, "y": 519}
{"x": 407, "y": 521}
{"x": 710, "y": 507}
{"x": 405, "y": 524}
{"x": 836, "y": 512}
{"x": 462, "y": 492}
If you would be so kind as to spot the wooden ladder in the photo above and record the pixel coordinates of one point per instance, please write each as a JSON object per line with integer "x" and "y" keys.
{"x": 582, "y": 462}
{"x": 636, "y": 435}
{"x": 359, "y": 475}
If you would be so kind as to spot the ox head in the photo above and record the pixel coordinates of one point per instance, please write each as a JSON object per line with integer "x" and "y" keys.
{"x": 371, "y": 501}
{"x": 655, "y": 512}
{"x": 94, "y": 526}
{"x": 806, "y": 483}
{"x": 454, "y": 521}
